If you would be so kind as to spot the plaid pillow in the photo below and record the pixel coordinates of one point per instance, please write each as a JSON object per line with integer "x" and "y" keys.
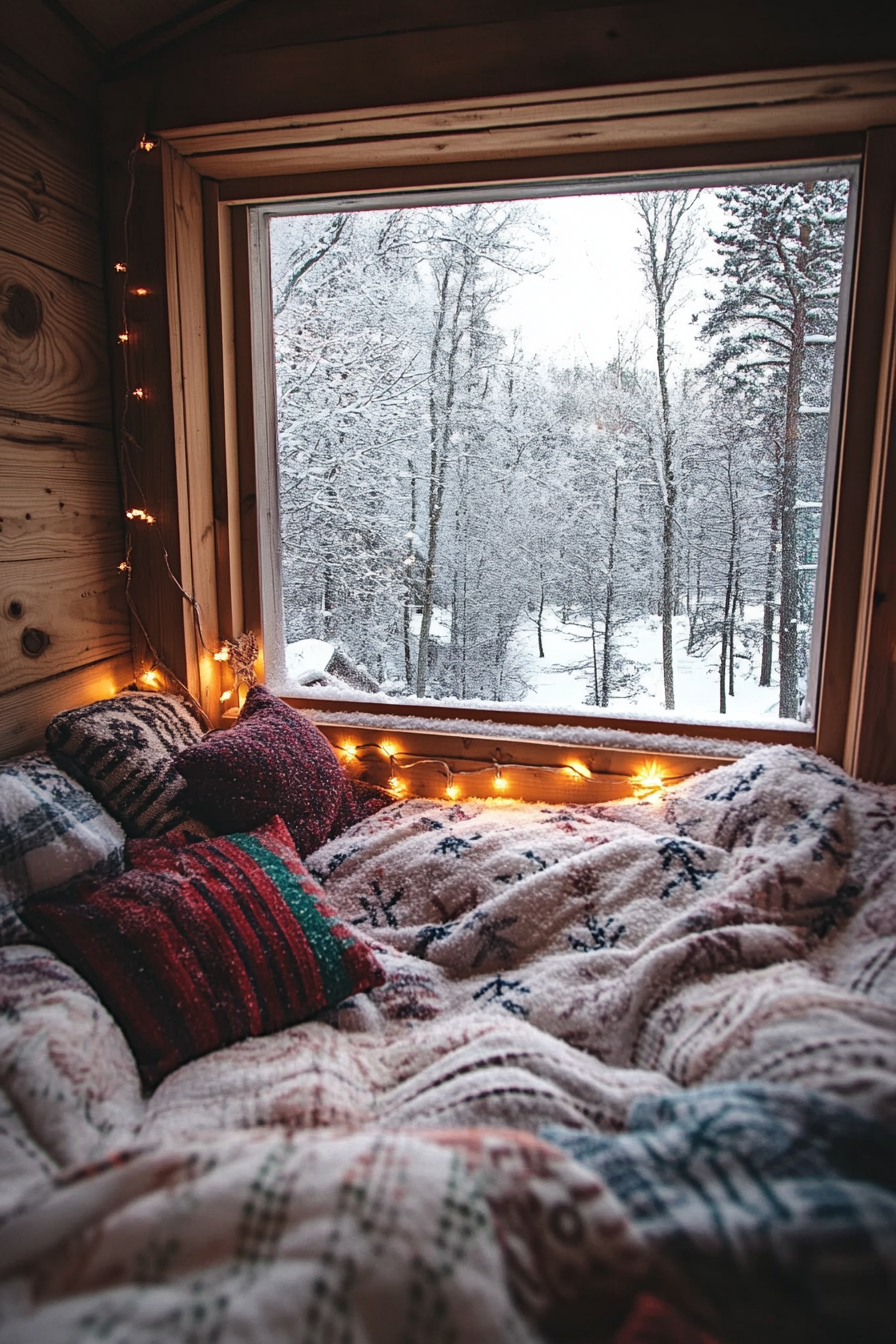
{"x": 275, "y": 762}
{"x": 123, "y": 750}
{"x": 234, "y": 940}
{"x": 51, "y": 834}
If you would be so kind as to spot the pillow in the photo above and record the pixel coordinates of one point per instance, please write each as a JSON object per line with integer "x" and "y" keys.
{"x": 51, "y": 833}
{"x": 123, "y": 750}
{"x": 235, "y": 940}
{"x": 275, "y": 762}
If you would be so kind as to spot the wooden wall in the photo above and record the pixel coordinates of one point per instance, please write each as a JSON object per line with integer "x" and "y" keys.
{"x": 273, "y": 58}
{"x": 64, "y": 634}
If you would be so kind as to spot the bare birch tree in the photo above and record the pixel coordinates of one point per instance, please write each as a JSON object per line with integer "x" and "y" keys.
{"x": 668, "y": 245}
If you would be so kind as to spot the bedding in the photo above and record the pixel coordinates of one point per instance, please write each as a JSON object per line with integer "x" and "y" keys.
{"x": 122, "y": 750}
{"x": 573, "y": 997}
{"x": 52, "y": 832}
{"x": 274, "y": 762}
{"x": 744, "y": 1184}
{"x": 232, "y": 939}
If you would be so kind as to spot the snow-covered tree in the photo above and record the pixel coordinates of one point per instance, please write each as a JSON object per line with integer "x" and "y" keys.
{"x": 667, "y": 248}
{"x": 775, "y": 324}
{"x": 455, "y": 509}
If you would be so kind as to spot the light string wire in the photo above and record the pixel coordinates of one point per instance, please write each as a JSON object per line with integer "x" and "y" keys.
{"x": 646, "y": 783}
{"x": 129, "y": 478}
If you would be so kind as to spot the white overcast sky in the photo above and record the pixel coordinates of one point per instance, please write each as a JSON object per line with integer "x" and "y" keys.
{"x": 593, "y": 288}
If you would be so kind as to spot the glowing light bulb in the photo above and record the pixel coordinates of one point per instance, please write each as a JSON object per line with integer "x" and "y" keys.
{"x": 120, "y": 267}
{"x": 146, "y": 144}
{"x": 139, "y": 393}
{"x": 388, "y": 749}
{"x": 222, "y": 656}
{"x": 228, "y": 695}
{"x": 141, "y": 515}
{"x": 141, "y": 290}
{"x": 124, "y": 565}
{"x": 452, "y": 791}
{"x": 647, "y": 782}
{"x": 151, "y": 677}
{"x": 123, "y": 337}
{"x": 500, "y": 782}
{"x": 395, "y": 786}
{"x": 349, "y": 749}
{"x": 578, "y": 769}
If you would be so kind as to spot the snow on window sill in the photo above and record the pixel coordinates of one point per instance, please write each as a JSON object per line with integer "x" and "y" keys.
{"x": 618, "y": 738}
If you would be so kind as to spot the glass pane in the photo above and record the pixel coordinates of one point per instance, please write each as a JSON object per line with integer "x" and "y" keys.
{"x": 562, "y": 452}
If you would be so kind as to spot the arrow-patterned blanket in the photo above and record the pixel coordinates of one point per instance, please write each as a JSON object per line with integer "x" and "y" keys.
{"x": 376, "y": 1175}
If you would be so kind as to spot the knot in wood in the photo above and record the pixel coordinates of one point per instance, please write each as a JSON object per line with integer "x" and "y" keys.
{"x": 24, "y": 312}
{"x": 34, "y": 641}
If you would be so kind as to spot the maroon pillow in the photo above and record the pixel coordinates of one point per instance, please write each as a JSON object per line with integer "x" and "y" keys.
{"x": 274, "y": 762}
{"x": 235, "y": 939}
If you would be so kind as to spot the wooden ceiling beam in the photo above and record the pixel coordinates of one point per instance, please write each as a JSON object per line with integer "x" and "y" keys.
{"x": 154, "y": 39}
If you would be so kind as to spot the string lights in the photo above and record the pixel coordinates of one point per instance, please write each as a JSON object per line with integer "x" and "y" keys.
{"x": 646, "y": 782}
{"x": 242, "y": 653}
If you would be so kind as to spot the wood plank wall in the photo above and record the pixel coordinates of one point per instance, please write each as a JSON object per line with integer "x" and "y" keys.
{"x": 272, "y": 58}
{"x": 64, "y": 630}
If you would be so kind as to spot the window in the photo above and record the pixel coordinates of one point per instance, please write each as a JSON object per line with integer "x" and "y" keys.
{"x": 220, "y": 182}
{"x": 558, "y": 450}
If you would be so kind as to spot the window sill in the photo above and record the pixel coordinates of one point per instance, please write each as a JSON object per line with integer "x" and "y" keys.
{"x": 635, "y": 732}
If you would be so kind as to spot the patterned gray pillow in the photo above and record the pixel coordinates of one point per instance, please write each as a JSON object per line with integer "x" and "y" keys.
{"x": 52, "y": 833}
{"x": 123, "y": 750}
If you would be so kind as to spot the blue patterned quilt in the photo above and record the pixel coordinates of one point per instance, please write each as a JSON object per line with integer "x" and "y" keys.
{"x": 770, "y": 1211}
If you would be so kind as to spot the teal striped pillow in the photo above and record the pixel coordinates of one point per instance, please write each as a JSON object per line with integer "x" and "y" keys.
{"x": 201, "y": 945}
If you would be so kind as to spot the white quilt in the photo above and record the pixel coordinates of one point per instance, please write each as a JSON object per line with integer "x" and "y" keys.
{"x": 546, "y": 965}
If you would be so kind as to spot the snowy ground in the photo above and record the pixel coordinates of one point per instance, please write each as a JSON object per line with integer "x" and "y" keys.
{"x": 696, "y": 679}
{"x": 307, "y": 658}
{"x": 555, "y": 688}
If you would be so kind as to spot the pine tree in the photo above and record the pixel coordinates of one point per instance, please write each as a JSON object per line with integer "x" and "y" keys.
{"x": 782, "y": 251}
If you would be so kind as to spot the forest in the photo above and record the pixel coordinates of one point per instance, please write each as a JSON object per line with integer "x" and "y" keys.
{"x": 463, "y": 517}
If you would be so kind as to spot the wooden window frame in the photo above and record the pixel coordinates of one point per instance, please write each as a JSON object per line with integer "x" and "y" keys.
{"x": 211, "y": 176}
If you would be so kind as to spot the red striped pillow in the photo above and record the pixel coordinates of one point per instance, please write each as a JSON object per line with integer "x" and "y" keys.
{"x": 235, "y": 939}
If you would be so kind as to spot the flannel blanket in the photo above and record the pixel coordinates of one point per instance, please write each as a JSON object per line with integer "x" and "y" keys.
{"x": 376, "y": 1174}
